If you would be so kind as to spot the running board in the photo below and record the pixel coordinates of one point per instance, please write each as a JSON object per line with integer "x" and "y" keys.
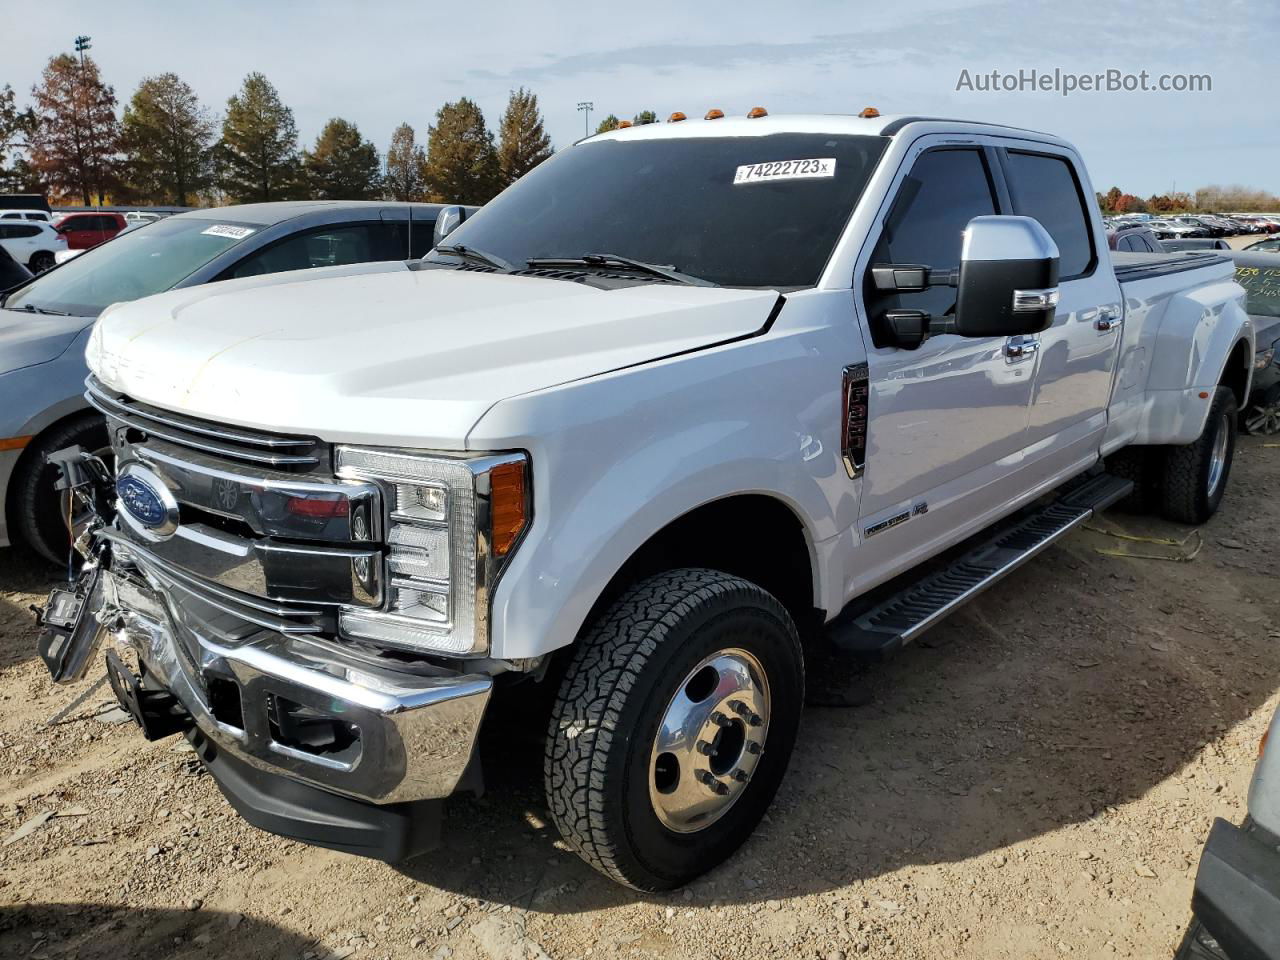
{"x": 883, "y": 630}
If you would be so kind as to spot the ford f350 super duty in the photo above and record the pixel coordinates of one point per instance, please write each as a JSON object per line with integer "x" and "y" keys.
{"x": 676, "y": 405}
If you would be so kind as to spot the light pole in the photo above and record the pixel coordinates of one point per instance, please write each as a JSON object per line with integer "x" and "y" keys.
{"x": 586, "y": 106}
{"x": 83, "y": 44}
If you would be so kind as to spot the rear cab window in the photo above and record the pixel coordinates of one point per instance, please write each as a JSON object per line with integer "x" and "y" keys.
{"x": 1045, "y": 186}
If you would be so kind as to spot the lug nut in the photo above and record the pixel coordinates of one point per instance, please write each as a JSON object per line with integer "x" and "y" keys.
{"x": 719, "y": 719}
{"x": 704, "y": 748}
{"x": 741, "y": 775}
{"x": 711, "y": 783}
{"x": 746, "y": 713}
{"x": 753, "y": 747}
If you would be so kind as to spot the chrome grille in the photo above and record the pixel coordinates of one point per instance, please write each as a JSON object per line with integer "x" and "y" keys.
{"x": 278, "y": 451}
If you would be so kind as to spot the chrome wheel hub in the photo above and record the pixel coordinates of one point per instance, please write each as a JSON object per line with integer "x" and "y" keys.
{"x": 710, "y": 740}
{"x": 1218, "y": 458}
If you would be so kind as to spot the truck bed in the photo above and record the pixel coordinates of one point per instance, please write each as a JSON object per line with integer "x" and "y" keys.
{"x": 1141, "y": 266}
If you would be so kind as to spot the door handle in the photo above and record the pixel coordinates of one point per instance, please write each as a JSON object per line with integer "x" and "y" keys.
{"x": 1108, "y": 319}
{"x": 1016, "y": 351}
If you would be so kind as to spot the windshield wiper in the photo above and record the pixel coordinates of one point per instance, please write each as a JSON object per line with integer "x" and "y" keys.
{"x": 32, "y": 308}
{"x": 471, "y": 253}
{"x": 613, "y": 260}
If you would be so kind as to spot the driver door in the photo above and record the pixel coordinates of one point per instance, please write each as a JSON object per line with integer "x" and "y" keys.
{"x": 947, "y": 421}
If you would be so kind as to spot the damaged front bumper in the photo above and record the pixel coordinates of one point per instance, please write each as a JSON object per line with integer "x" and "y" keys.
{"x": 306, "y": 738}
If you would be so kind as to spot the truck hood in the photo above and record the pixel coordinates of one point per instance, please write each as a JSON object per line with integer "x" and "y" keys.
{"x": 409, "y": 357}
{"x": 30, "y": 338}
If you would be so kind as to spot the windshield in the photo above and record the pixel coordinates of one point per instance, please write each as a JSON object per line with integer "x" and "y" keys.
{"x": 756, "y": 211}
{"x": 137, "y": 263}
{"x": 1262, "y": 285}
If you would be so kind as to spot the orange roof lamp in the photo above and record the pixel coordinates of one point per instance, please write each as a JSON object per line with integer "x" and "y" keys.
{"x": 676, "y": 117}
{"x": 869, "y": 113}
{"x": 756, "y": 112}
{"x": 623, "y": 123}
{"x": 714, "y": 114}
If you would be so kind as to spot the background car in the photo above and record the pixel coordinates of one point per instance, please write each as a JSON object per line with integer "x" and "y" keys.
{"x": 39, "y": 215}
{"x": 1259, "y": 274}
{"x": 1134, "y": 238}
{"x": 31, "y": 243}
{"x": 1169, "y": 230}
{"x": 1269, "y": 245}
{"x": 45, "y": 323}
{"x": 1195, "y": 243}
{"x": 86, "y": 230}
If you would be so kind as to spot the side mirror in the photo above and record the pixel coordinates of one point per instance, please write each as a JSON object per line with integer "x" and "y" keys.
{"x": 1008, "y": 278}
{"x": 449, "y": 220}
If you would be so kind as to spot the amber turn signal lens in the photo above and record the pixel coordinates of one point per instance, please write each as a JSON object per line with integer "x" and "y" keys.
{"x": 623, "y": 123}
{"x": 869, "y": 113}
{"x": 714, "y": 114}
{"x": 508, "y": 507}
{"x": 1262, "y": 744}
{"x": 756, "y": 112}
{"x": 676, "y": 117}
{"x": 15, "y": 443}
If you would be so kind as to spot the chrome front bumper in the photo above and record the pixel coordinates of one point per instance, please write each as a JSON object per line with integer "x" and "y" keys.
{"x": 414, "y": 734}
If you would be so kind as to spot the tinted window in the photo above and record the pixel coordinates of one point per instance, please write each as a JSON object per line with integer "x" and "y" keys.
{"x": 327, "y": 247}
{"x": 675, "y": 201}
{"x": 944, "y": 191}
{"x": 11, "y": 216}
{"x": 22, "y": 230}
{"x": 1262, "y": 286}
{"x": 132, "y": 265}
{"x": 1126, "y": 243}
{"x": 1045, "y": 187}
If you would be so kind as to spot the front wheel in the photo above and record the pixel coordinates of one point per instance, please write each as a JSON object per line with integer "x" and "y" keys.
{"x": 37, "y": 509}
{"x": 1195, "y": 476}
{"x": 41, "y": 261}
{"x": 673, "y": 727}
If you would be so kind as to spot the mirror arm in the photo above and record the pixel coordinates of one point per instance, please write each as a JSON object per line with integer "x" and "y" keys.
{"x": 910, "y": 328}
{"x": 910, "y": 277}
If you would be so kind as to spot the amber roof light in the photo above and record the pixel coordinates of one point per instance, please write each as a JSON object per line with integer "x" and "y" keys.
{"x": 756, "y": 112}
{"x": 714, "y": 114}
{"x": 869, "y": 113}
{"x": 623, "y": 123}
{"x": 676, "y": 117}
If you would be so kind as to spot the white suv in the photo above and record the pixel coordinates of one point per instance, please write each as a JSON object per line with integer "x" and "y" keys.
{"x": 31, "y": 242}
{"x": 26, "y": 215}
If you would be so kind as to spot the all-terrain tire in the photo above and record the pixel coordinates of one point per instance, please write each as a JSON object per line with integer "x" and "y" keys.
{"x": 1188, "y": 488}
{"x": 1138, "y": 464}
{"x": 625, "y": 671}
{"x": 37, "y": 510}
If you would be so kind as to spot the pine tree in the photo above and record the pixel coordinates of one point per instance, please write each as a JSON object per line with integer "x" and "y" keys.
{"x": 342, "y": 165}
{"x": 608, "y": 123}
{"x": 462, "y": 165}
{"x": 168, "y": 138}
{"x": 75, "y": 135}
{"x": 522, "y": 143}
{"x": 645, "y": 116}
{"x": 259, "y": 150}
{"x": 403, "y": 180}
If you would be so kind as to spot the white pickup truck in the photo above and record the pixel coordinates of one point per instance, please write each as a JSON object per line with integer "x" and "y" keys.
{"x": 676, "y": 406}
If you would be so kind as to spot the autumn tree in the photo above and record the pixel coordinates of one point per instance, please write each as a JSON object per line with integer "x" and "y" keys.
{"x": 608, "y": 123}
{"x": 406, "y": 159}
{"x": 15, "y": 129}
{"x": 75, "y": 135}
{"x": 1128, "y": 203}
{"x": 258, "y": 154}
{"x": 167, "y": 137}
{"x": 462, "y": 164}
{"x": 522, "y": 143}
{"x": 645, "y": 116}
{"x": 342, "y": 165}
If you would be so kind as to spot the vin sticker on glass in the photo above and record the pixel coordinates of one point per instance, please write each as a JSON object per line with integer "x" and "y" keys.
{"x": 786, "y": 170}
{"x": 228, "y": 231}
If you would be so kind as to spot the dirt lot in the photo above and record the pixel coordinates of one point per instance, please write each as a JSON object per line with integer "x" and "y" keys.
{"x": 1035, "y": 781}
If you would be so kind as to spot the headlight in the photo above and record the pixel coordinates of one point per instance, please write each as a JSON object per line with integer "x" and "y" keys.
{"x": 450, "y": 525}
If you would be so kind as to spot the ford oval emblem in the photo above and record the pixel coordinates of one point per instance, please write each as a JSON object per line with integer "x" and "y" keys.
{"x": 146, "y": 502}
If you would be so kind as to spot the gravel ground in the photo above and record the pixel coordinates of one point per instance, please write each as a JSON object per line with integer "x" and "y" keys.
{"x": 1035, "y": 779}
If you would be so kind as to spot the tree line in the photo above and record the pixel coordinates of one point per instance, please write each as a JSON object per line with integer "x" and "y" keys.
{"x": 1211, "y": 199}
{"x": 166, "y": 147}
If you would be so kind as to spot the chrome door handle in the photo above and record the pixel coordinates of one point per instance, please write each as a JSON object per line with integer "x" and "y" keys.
{"x": 1015, "y": 351}
{"x": 1108, "y": 320}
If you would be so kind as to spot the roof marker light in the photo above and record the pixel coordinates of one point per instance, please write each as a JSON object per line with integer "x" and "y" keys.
{"x": 756, "y": 112}
{"x": 676, "y": 117}
{"x": 869, "y": 113}
{"x": 714, "y": 114}
{"x": 623, "y": 123}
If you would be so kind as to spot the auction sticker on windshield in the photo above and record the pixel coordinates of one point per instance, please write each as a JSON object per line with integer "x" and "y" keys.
{"x": 228, "y": 231}
{"x": 786, "y": 170}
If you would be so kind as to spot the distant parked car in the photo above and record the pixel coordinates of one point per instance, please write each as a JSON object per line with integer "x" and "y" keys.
{"x": 1210, "y": 228}
{"x": 141, "y": 216}
{"x": 1269, "y": 245}
{"x": 1259, "y": 274}
{"x": 31, "y": 243}
{"x": 86, "y": 230}
{"x": 1236, "y": 902}
{"x": 1195, "y": 243}
{"x": 26, "y": 215}
{"x": 1134, "y": 238}
{"x": 12, "y": 273}
{"x": 47, "y": 321}
{"x": 1170, "y": 230}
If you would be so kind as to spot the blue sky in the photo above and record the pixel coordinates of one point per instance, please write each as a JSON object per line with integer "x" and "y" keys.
{"x": 378, "y": 64}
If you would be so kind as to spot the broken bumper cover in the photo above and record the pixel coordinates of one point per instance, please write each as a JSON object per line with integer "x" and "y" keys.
{"x": 1237, "y": 892}
{"x": 299, "y": 733}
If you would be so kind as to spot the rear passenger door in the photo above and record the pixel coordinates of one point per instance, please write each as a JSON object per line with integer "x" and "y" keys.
{"x": 1076, "y": 357}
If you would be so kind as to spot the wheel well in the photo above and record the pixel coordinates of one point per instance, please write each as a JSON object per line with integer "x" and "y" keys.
{"x": 29, "y": 451}
{"x": 752, "y": 536}
{"x": 1235, "y": 374}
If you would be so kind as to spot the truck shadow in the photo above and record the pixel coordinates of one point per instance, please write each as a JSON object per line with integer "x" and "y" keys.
{"x": 1075, "y": 686}
{"x": 24, "y": 579}
{"x": 90, "y": 931}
